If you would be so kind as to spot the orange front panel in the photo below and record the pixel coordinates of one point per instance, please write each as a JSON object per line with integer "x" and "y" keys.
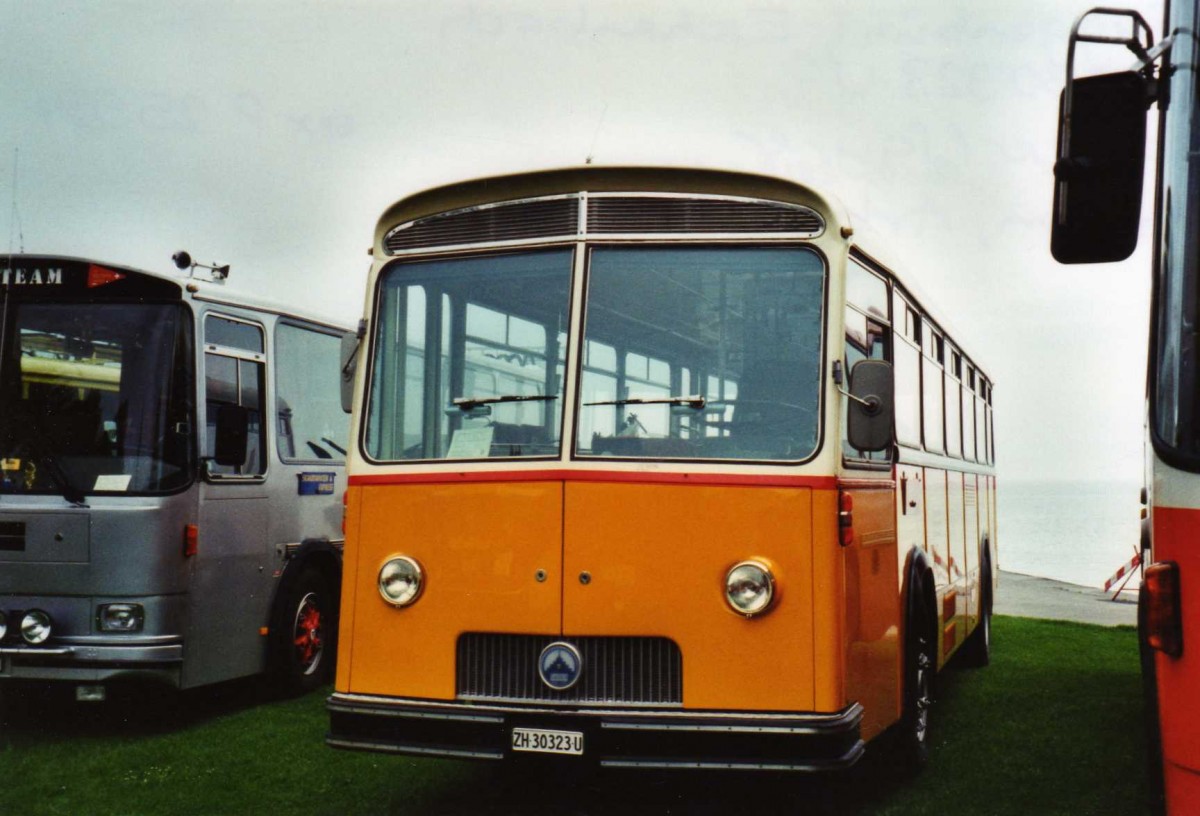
{"x": 481, "y": 546}
{"x": 656, "y": 558}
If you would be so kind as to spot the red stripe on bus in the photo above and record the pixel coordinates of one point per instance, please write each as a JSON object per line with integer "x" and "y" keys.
{"x": 747, "y": 480}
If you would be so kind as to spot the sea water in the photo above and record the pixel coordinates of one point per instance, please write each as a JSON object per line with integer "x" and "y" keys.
{"x": 1078, "y": 532}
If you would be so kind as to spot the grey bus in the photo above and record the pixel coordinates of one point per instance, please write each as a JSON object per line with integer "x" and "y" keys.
{"x": 171, "y": 480}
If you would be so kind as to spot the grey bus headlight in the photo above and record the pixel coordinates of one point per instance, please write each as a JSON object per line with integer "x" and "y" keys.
{"x": 749, "y": 588}
{"x": 35, "y": 627}
{"x": 401, "y": 581}
{"x": 120, "y": 617}
{"x": 3, "y": 625}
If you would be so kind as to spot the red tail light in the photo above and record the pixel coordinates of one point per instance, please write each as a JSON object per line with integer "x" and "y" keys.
{"x": 1164, "y": 619}
{"x": 846, "y": 518}
{"x": 191, "y": 540}
{"x": 345, "y": 505}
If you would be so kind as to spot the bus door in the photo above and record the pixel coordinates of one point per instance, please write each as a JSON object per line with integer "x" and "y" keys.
{"x": 869, "y": 556}
{"x": 230, "y": 582}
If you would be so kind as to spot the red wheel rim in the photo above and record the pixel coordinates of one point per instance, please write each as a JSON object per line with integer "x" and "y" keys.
{"x": 307, "y": 634}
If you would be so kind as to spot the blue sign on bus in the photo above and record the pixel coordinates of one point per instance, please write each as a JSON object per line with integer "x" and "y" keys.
{"x": 315, "y": 484}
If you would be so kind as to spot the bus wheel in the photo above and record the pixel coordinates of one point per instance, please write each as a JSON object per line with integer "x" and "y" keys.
{"x": 977, "y": 651}
{"x": 304, "y": 642}
{"x": 919, "y": 667}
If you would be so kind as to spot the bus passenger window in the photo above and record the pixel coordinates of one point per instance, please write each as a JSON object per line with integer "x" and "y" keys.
{"x": 312, "y": 425}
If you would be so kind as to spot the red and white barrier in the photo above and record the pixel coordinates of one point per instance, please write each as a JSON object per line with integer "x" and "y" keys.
{"x": 1125, "y": 572}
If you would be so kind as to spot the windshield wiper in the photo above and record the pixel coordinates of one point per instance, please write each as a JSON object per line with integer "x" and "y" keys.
{"x": 467, "y": 403}
{"x": 695, "y": 401}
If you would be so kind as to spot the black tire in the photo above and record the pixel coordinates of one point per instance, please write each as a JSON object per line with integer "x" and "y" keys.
{"x": 305, "y": 634}
{"x": 977, "y": 651}
{"x": 920, "y": 664}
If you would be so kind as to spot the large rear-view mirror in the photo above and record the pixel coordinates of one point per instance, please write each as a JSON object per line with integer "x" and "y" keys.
{"x": 872, "y": 406}
{"x": 349, "y": 364}
{"x": 1098, "y": 174}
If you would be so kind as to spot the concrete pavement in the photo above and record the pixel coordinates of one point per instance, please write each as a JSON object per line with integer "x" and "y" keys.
{"x": 1027, "y": 596}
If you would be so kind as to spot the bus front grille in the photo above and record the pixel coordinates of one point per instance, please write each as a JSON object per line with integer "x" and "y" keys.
{"x": 616, "y": 670}
{"x": 607, "y": 215}
{"x": 509, "y": 221}
{"x": 12, "y": 535}
{"x": 561, "y": 218}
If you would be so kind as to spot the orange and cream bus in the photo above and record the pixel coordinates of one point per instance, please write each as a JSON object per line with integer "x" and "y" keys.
{"x": 654, "y": 468}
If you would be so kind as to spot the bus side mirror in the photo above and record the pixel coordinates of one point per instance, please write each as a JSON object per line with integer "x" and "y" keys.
{"x": 233, "y": 432}
{"x": 1098, "y": 174}
{"x": 350, "y": 343}
{"x": 872, "y": 406}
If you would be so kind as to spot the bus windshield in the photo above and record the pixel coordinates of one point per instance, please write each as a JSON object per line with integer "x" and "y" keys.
{"x": 470, "y": 355}
{"x": 95, "y": 398}
{"x": 702, "y": 353}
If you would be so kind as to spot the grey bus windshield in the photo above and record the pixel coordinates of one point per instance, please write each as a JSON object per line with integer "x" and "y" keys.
{"x": 95, "y": 398}
{"x": 702, "y": 353}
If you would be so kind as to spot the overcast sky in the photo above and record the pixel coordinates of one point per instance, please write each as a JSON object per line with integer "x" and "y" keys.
{"x": 270, "y": 136}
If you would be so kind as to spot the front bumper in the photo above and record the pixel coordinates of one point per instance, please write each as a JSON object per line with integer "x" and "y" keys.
{"x": 613, "y": 738}
{"x": 83, "y": 661}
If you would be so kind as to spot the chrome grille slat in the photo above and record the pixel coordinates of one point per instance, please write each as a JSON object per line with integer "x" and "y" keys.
{"x": 617, "y": 670}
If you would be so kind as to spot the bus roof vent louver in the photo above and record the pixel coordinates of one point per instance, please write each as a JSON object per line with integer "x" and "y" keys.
{"x": 639, "y": 214}
{"x": 508, "y": 221}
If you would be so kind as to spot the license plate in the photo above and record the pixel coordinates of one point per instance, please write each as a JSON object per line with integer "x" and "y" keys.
{"x": 542, "y": 741}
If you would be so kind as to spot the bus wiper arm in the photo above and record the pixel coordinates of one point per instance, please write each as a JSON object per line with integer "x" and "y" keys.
{"x": 696, "y": 401}
{"x": 467, "y": 403}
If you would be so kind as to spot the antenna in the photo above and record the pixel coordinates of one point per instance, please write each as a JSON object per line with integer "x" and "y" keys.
{"x": 596, "y": 136}
{"x": 15, "y": 223}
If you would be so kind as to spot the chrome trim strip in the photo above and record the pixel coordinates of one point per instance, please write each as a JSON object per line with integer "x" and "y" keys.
{"x": 415, "y": 715}
{"x": 373, "y": 704}
{"x": 390, "y": 748}
{"x": 847, "y": 759}
{"x": 35, "y": 652}
{"x": 616, "y": 705}
{"x": 104, "y": 654}
{"x": 128, "y": 641}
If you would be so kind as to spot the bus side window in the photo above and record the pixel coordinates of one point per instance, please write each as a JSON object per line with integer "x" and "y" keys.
{"x": 311, "y": 423}
{"x": 906, "y": 360}
{"x": 866, "y": 338}
{"x": 234, "y": 374}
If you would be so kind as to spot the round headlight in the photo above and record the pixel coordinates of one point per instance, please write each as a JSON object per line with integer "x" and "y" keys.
{"x": 400, "y": 581}
{"x": 3, "y": 625}
{"x": 749, "y": 588}
{"x": 35, "y": 627}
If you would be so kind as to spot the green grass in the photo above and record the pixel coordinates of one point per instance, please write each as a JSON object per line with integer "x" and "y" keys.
{"x": 1053, "y": 726}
